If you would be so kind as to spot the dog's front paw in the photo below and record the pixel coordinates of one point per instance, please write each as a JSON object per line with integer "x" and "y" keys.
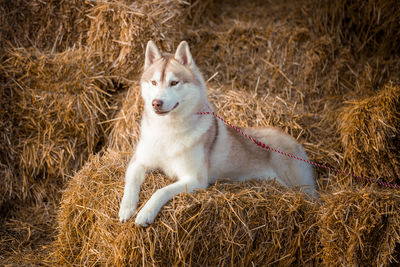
{"x": 145, "y": 216}
{"x": 126, "y": 210}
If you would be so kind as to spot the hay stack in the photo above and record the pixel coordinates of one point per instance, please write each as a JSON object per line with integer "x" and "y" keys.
{"x": 61, "y": 99}
{"x": 59, "y": 93}
{"x": 119, "y": 30}
{"x": 279, "y": 63}
{"x": 368, "y": 27}
{"x": 359, "y": 49}
{"x": 116, "y": 30}
{"x": 369, "y": 131}
{"x": 248, "y": 47}
{"x": 125, "y": 129}
{"x": 47, "y": 25}
{"x": 271, "y": 47}
{"x": 258, "y": 223}
{"x": 360, "y": 228}
{"x": 56, "y": 102}
{"x": 240, "y": 224}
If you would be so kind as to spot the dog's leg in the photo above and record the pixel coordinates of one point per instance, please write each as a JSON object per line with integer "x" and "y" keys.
{"x": 134, "y": 177}
{"x": 150, "y": 210}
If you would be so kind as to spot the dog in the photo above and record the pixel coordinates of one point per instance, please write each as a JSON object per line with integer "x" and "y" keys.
{"x": 197, "y": 150}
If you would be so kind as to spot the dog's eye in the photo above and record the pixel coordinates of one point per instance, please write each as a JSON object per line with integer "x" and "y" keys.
{"x": 154, "y": 83}
{"x": 173, "y": 83}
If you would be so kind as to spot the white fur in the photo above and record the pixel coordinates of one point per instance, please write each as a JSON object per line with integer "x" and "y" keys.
{"x": 174, "y": 143}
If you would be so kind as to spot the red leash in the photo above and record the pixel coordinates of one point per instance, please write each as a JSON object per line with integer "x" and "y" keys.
{"x": 262, "y": 145}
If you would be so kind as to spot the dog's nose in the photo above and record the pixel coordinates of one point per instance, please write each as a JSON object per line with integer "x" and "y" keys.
{"x": 157, "y": 103}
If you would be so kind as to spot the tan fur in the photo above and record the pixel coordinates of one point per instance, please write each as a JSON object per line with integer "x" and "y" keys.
{"x": 167, "y": 63}
{"x": 276, "y": 138}
{"x": 244, "y": 153}
{"x": 209, "y": 139}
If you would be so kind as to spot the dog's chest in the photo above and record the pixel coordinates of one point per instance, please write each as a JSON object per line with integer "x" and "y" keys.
{"x": 163, "y": 146}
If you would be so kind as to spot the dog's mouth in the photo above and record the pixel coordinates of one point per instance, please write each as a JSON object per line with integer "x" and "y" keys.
{"x": 161, "y": 112}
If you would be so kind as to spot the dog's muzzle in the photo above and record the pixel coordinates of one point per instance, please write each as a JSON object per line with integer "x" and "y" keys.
{"x": 157, "y": 106}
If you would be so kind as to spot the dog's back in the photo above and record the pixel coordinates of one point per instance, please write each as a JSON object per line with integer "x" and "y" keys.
{"x": 237, "y": 157}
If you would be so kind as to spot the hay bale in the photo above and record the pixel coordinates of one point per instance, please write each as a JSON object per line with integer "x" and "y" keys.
{"x": 242, "y": 223}
{"x": 238, "y": 224}
{"x": 360, "y": 228}
{"x": 119, "y": 30}
{"x": 371, "y": 27}
{"x": 48, "y": 25}
{"x": 61, "y": 99}
{"x": 270, "y": 47}
{"x": 26, "y": 233}
{"x": 279, "y": 65}
{"x": 249, "y": 47}
{"x": 298, "y": 49}
{"x": 7, "y": 154}
{"x": 354, "y": 45}
{"x": 58, "y": 102}
{"x": 370, "y": 135}
{"x": 258, "y": 223}
{"x": 125, "y": 128}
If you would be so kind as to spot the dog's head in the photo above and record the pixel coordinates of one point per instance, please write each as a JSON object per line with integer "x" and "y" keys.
{"x": 171, "y": 84}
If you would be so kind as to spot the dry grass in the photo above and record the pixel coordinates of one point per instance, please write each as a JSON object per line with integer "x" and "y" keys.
{"x": 125, "y": 130}
{"x": 370, "y": 134}
{"x": 360, "y": 227}
{"x": 56, "y": 113}
{"x": 26, "y": 234}
{"x": 63, "y": 64}
{"x": 327, "y": 72}
{"x": 119, "y": 30}
{"x": 226, "y": 224}
{"x": 258, "y": 223}
{"x": 50, "y": 25}
{"x": 64, "y": 101}
{"x": 366, "y": 26}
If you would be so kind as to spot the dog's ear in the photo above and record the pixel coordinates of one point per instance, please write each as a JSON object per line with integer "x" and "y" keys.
{"x": 183, "y": 54}
{"x": 152, "y": 54}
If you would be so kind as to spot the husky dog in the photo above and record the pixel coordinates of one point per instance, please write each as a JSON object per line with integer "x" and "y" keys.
{"x": 194, "y": 149}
